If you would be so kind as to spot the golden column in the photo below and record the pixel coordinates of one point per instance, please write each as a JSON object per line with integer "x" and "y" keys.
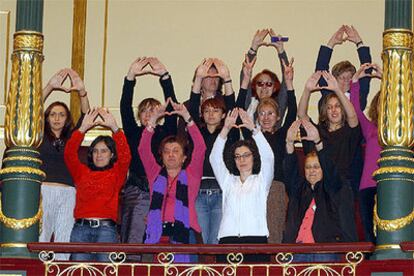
{"x": 394, "y": 212}
{"x": 20, "y": 208}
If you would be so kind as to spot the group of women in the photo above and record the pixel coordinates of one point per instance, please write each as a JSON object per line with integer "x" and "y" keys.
{"x": 217, "y": 167}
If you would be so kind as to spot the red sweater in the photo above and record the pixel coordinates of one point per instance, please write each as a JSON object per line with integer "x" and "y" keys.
{"x": 97, "y": 192}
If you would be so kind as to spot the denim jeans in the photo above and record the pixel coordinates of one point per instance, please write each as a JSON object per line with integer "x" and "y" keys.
{"x": 208, "y": 207}
{"x": 85, "y": 233}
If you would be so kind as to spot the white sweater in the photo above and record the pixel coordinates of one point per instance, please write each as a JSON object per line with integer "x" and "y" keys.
{"x": 244, "y": 204}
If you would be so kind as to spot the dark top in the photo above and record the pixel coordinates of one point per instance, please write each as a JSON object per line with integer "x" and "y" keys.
{"x": 325, "y": 227}
{"x": 341, "y": 146}
{"x": 53, "y": 163}
{"x": 277, "y": 139}
{"x": 210, "y": 138}
{"x": 322, "y": 63}
{"x": 133, "y": 131}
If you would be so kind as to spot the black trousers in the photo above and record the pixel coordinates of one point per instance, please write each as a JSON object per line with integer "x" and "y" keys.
{"x": 247, "y": 239}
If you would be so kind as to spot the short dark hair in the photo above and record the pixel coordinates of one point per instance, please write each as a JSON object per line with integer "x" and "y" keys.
{"x": 231, "y": 163}
{"x": 110, "y": 143}
{"x": 67, "y": 128}
{"x": 174, "y": 139}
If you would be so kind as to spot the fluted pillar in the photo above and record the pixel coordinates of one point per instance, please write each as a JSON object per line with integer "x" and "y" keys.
{"x": 20, "y": 208}
{"x": 394, "y": 212}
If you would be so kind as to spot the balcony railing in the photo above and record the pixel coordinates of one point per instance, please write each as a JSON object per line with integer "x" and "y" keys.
{"x": 281, "y": 261}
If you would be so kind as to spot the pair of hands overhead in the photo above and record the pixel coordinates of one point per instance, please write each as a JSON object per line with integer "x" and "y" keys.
{"x": 312, "y": 84}
{"x": 98, "y": 117}
{"x": 249, "y": 64}
{"x": 146, "y": 65}
{"x": 260, "y": 35}
{"x": 160, "y": 111}
{"x": 58, "y": 80}
{"x": 232, "y": 116}
{"x": 312, "y": 133}
{"x": 223, "y": 71}
{"x": 344, "y": 33}
{"x": 375, "y": 72}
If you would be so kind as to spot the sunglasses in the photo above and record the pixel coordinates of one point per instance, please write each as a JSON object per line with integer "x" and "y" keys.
{"x": 262, "y": 83}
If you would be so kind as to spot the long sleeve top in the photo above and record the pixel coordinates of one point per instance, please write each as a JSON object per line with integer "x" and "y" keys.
{"x": 209, "y": 138}
{"x": 194, "y": 172}
{"x": 325, "y": 227}
{"x": 370, "y": 133}
{"x": 133, "y": 131}
{"x": 277, "y": 139}
{"x": 250, "y": 103}
{"x": 97, "y": 192}
{"x": 244, "y": 203}
{"x": 322, "y": 63}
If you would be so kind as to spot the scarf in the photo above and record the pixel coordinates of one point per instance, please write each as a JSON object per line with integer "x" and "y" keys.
{"x": 181, "y": 229}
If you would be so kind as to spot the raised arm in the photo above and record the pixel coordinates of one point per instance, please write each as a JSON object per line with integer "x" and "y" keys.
{"x": 351, "y": 116}
{"x": 364, "y": 57}
{"x": 159, "y": 69}
{"x": 56, "y": 83}
{"x": 124, "y": 155}
{"x": 216, "y": 156}
{"x": 291, "y": 100}
{"x": 311, "y": 85}
{"x": 224, "y": 74}
{"x": 79, "y": 86}
{"x": 72, "y": 146}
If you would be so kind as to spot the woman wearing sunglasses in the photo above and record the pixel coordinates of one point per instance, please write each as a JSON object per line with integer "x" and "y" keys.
{"x": 266, "y": 83}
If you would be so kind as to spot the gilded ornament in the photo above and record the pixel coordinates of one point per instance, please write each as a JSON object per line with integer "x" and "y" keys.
{"x": 387, "y": 246}
{"x": 391, "y": 225}
{"x": 21, "y": 179}
{"x": 22, "y": 158}
{"x": 28, "y": 170}
{"x": 396, "y": 179}
{"x": 13, "y": 244}
{"x": 28, "y": 41}
{"x": 396, "y": 100}
{"x": 24, "y": 106}
{"x": 18, "y": 224}
{"x": 395, "y": 158}
{"x": 393, "y": 169}
{"x": 398, "y": 38}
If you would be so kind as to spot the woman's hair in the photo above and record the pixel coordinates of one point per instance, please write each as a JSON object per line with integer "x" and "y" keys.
{"x": 110, "y": 143}
{"x": 323, "y": 113}
{"x": 268, "y": 102}
{"x": 231, "y": 163}
{"x": 215, "y": 102}
{"x": 67, "y": 128}
{"x": 147, "y": 103}
{"x": 274, "y": 78}
{"x": 374, "y": 109}
{"x": 341, "y": 67}
{"x": 311, "y": 154}
{"x": 174, "y": 139}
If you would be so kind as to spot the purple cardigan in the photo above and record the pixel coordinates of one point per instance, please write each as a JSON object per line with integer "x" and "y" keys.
{"x": 372, "y": 149}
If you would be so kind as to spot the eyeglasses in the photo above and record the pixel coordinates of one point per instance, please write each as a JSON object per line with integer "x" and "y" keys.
{"x": 245, "y": 155}
{"x": 268, "y": 113}
{"x": 262, "y": 83}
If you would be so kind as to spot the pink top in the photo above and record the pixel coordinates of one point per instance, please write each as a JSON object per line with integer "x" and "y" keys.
{"x": 372, "y": 149}
{"x": 305, "y": 234}
{"x": 194, "y": 173}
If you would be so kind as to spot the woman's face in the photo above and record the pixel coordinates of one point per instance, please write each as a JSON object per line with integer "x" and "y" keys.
{"x": 57, "y": 118}
{"x": 244, "y": 160}
{"x": 334, "y": 111}
{"x": 101, "y": 155}
{"x": 264, "y": 86}
{"x": 173, "y": 156}
{"x": 146, "y": 114}
{"x": 313, "y": 170}
{"x": 209, "y": 85}
{"x": 213, "y": 115}
{"x": 267, "y": 117}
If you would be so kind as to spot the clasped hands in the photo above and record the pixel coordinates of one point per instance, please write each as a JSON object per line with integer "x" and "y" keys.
{"x": 58, "y": 80}
{"x": 146, "y": 65}
{"x": 231, "y": 118}
{"x": 161, "y": 110}
{"x": 345, "y": 33}
{"x": 260, "y": 35}
{"x": 98, "y": 117}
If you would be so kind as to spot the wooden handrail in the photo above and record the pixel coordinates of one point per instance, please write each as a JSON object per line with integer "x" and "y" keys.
{"x": 202, "y": 249}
